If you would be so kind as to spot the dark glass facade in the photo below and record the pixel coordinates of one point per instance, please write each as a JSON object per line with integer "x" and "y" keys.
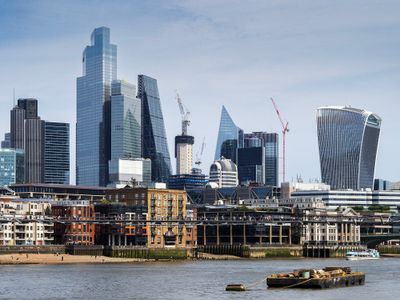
{"x": 30, "y": 105}
{"x": 187, "y": 181}
{"x": 56, "y": 153}
{"x": 229, "y": 150}
{"x": 348, "y": 142}
{"x": 93, "y": 127}
{"x": 251, "y": 165}
{"x": 270, "y": 143}
{"x": 154, "y": 138}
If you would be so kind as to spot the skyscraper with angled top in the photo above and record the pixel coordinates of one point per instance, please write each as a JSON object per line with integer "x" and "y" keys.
{"x": 230, "y": 137}
{"x": 154, "y": 137}
{"x": 348, "y": 142}
{"x": 93, "y": 142}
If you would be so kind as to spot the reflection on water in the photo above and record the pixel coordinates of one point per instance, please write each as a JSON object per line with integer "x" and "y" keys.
{"x": 189, "y": 280}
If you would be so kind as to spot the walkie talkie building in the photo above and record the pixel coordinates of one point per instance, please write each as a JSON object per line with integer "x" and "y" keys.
{"x": 348, "y": 143}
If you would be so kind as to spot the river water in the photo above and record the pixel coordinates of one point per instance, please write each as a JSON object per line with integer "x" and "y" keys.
{"x": 189, "y": 280}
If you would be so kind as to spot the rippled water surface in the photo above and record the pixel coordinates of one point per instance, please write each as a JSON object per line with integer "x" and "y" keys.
{"x": 189, "y": 280}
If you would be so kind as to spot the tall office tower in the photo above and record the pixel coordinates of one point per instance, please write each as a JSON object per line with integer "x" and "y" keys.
{"x": 56, "y": 153}
{"x": 11, "y": 166}
{"x": 271, "y": 143}
{"x": 17, "y": 121}
{"x": 154, "y": 137}
{"x": 251, "y": 165}
{"x": 126, "y": 132}
{"x": 93, "y": 142}
{"x": 348, "y": 142}
{"x": 184, "y": 154}
{"x": 6, "y": 142}
{"x": 34, "y": 154}
{"x": 230, "y": 137}
{"x": 126, "y": 163}
{"x": 26, "y": 133}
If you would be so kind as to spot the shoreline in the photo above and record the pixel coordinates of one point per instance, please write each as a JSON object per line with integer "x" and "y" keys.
{"x": 64, "y": 259}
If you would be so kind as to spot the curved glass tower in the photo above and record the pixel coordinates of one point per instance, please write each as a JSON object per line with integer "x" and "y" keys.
{"x": 348, "y": 143}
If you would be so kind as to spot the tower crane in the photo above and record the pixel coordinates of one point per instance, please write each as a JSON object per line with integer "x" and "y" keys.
{"x": 199, "y": 156}
{"x": 285, "y": 129}
{"x": 185, "y": 114}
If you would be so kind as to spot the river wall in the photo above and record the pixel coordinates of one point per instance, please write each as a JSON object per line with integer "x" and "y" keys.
{"x": 389, "y": 249}
{"x": 223, "y": 251}
{"x": 32, "y": 249}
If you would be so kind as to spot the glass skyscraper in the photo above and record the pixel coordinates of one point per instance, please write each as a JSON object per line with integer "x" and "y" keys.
{"x": 11, "y": 166}
{"x": 256, "y": 144}
{"x": 126, "y": 132}
{"x": 93, "y": 141}
{"x": 154, "y": 137}
{"x": 271, "y": 143}
{"x": 56, "y": 153}
{"x": 230, "y": 137}
{"x": 251, "y": 165}
{"x": 259, "y": 161}
{"x": 348, "y": 143}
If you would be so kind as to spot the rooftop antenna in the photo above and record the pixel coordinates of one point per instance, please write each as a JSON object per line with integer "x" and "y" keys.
{"x": 13, "y": 96}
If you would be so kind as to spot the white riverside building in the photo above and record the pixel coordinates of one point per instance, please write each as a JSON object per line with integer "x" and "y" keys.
{"x": 224, "y": 173}
{"x": 335, "y": 198}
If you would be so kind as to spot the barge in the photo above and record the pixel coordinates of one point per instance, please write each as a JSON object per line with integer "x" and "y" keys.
{"x": 330, "y": 277}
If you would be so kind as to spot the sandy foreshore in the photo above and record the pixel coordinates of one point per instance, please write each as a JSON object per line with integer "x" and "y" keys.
{"x": 63, "y": 259}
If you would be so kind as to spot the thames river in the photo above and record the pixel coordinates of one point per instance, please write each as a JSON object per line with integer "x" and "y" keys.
{"x": 189, "y": 280}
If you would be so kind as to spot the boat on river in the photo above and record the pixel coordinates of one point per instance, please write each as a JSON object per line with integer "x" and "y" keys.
{"x": 329, "y": 277}
{"x": 362, "y": 255}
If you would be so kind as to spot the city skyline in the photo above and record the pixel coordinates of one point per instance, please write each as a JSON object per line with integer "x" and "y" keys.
{"x": 302, "y": 65}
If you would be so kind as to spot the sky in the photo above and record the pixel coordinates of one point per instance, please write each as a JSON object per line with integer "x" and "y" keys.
{"x": 305, "y": 54}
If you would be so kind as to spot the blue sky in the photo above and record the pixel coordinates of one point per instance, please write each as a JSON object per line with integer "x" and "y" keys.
{"x": 305, "y": 54}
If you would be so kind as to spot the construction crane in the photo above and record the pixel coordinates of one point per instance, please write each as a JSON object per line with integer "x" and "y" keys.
{"x": 285, "y": 129}
{"x": 185, "y": 114}
{"x": 199, "y": 156}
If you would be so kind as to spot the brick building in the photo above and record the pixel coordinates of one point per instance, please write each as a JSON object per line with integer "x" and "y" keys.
{"x": 162, "y": 210}
{"x": 66, "y": 231}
